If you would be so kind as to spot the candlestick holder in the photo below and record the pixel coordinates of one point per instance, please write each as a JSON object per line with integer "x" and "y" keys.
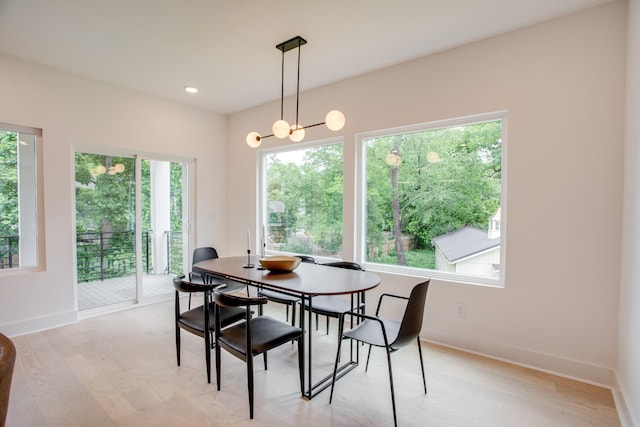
{"x": 248, "y": 264}
{"x": 260, "y": 267}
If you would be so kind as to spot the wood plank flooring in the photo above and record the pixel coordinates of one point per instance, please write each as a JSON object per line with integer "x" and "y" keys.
{"x": 120, "y": 369}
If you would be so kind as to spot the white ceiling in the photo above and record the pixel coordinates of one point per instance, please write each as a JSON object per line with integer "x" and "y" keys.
{"x": 226, "y": 48}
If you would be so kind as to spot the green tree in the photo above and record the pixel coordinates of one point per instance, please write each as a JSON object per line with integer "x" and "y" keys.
{"x": 448, "y": 178}
{"x": 8, "y": 183}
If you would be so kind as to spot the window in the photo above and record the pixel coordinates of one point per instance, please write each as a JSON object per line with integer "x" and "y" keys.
{"x": 20, "y": 199}
{"x": 433, "y": 199}
{"x": 302, "y": 199}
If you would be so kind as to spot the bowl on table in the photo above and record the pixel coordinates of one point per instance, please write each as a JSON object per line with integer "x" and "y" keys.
{"x": 280, "y": 263}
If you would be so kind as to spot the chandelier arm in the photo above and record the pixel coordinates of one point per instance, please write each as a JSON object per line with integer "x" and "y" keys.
{"x": 314, "y": 125}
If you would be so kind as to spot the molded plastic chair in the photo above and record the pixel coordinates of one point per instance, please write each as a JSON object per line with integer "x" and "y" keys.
{"x": 390, "y": 334}
{"x": 283, "y": 298}
{"x": 254, "y": 336}
{"x": 201, "y": 320}
{"x": 331, "y": 306}
{"x": 198, "y": 275}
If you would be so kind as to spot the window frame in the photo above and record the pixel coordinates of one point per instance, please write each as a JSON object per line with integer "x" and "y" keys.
{"x": 38, "y": 182}
{"x": 261, "y": 211}
{"x": 361, "y": 200}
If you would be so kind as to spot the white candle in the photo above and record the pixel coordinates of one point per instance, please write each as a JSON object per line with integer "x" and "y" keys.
{"x": 248, "y": 240}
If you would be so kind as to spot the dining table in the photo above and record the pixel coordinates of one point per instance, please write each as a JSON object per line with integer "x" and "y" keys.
{"x": 306, "y": 282}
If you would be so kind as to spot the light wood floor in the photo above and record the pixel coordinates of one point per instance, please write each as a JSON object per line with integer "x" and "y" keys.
{"x": 120, "y": 370}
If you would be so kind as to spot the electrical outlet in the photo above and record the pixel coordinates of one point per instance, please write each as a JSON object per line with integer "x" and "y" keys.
{"x": 461, "y": 309}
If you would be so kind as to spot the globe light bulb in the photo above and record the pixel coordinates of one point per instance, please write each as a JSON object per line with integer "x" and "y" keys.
{"x": 433, "y": 157}
{"x": 280, "y": 129}
{"x": 100, "y": 170}
{"x": 393, "y": 159}
{"x": 254, "y": 139}
{"x": 334, "y": 120}
{"x": 297, "y": 133}
{"x": 119, "y": 168}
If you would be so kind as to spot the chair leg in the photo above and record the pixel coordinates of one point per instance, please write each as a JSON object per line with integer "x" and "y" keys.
{"x": 393, "y": 397}
{"x": 424, "y": 378}
{"x": 287, "y": 311}
{"x": 217, "y": 350}
{"x": 264, "y": 356}
{"x": 250, "y": 382}
{"x": 327, "y": 324}
{"x": 293, "y": 314}
{"x": 317, "y": 321}
{"x": 301, "y": 365}
{"x": 335, "y": 366}
{"x": 368, "y": 355}
{"x": 178, "y": 343}
{"x": 207, "y": 354}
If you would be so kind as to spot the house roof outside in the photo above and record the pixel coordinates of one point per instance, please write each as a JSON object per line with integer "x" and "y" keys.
{"x": 464, "y": 243}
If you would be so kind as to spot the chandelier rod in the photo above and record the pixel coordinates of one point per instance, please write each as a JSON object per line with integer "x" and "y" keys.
{"x": 297, "y": 123}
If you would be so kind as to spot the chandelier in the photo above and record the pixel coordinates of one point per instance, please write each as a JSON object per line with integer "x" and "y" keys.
{"x": 334, "y": 119}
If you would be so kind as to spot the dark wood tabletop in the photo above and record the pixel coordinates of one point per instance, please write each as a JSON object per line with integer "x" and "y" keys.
{"x": 308, "y": 279}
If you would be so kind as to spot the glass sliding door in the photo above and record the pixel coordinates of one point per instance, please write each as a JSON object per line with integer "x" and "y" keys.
{"x": 130, "y": 228}
{"x": 164, "y": 234}
{"x": 105, "y": 229}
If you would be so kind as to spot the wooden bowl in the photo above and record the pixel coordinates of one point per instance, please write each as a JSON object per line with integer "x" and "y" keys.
{"x": 280, "y": 263}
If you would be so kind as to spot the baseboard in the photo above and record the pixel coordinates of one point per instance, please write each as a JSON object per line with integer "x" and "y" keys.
{"x": 625, "y": 413}
{"x": 29, "y": 326}
{"x": 573, "y": 369}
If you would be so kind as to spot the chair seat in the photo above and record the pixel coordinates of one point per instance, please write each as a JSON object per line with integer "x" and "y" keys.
{"x": 193, "y": 318}
{"x": 331, "y": 306}
{"x": 279, "y": 297}
{"x": 370, "y": 332}
{"x": 267, "y": 333}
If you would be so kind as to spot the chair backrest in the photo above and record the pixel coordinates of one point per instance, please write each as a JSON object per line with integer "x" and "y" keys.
{"x": 204, "y": 253}
{"x": 236, "y": 300}
{"x": 345, "y": 264}
{"x": 411, "y": 324}
{"x": 181, "y": 284}
{"x": 307, "y": 258}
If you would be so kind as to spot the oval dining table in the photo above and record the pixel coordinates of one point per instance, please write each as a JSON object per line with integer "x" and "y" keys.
{"x": 306, "y": 281}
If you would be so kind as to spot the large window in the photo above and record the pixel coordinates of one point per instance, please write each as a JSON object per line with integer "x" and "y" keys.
{"x": 433, "y": 198}
{"x": 302, "y": 199}
{"x": 20, "y": 200}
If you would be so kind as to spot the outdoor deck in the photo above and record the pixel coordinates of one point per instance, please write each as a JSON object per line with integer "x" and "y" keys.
{"x": 113, "y": 291}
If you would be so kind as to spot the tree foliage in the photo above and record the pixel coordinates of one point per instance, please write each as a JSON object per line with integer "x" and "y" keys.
{"x": 310, "y": 189}
{"x": 448, "y": 178}
{"x": 8, "y": 183}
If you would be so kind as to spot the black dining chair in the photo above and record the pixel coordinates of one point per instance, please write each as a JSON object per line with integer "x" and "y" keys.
{"x": 201, "y": 320}
{"x": 333, "y": 307}
{"x": 252, "y": 337}
{"x": 198, "y": 275}
{"x": 284, "y": 298}
{"x": 391, "y": 334}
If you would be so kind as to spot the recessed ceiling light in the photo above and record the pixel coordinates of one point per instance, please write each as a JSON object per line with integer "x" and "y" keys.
{"x": 191, "y": 89}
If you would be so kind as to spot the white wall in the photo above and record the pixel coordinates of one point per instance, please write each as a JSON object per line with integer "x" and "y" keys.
{"x": 628, "y": 372}
{"x": 562, "y": 83}
{"x": 74, "y": 112}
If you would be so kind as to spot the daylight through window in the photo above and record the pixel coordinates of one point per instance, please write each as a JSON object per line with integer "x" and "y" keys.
{"x": 433, "y": 198}
{"x": 302, "y": 206}
{"x": 20, "y": 213}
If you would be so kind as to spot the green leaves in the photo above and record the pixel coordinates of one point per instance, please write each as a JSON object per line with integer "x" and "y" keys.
{"x": 448, "y": 178}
